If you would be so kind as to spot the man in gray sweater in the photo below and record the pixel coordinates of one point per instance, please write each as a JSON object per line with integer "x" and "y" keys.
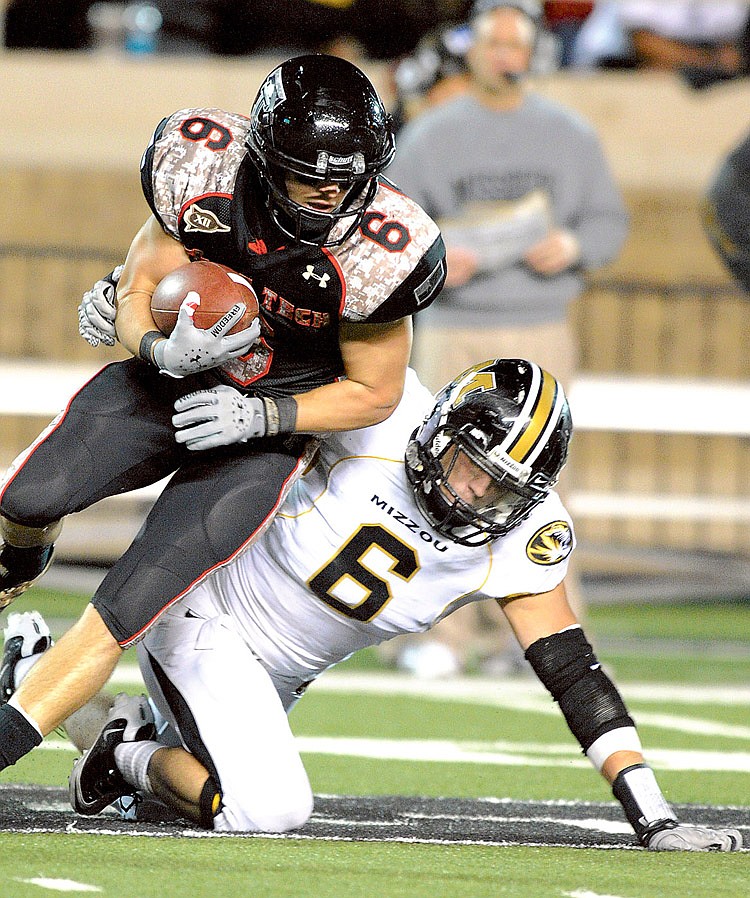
{"x": 526, "y": 203}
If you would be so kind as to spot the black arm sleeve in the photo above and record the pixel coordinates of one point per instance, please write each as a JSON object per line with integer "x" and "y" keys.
{"x": 566, "y": 664}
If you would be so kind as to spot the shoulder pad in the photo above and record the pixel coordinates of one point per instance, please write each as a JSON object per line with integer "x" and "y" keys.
{"x": 384, "y": 258}
{"x": 193, "y": 153}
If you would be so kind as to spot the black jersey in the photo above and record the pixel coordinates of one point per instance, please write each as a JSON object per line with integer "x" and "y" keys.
{"x": 202, "y": 187}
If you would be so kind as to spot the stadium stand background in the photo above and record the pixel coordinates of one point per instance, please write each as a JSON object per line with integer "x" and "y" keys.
{"x": 661, "y": 488}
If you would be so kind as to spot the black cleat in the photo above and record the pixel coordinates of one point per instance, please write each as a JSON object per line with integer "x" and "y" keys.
{"x": 95, "y": 781}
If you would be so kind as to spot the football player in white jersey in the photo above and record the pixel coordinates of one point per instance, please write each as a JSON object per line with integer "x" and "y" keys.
{"x": 393, "y": 528}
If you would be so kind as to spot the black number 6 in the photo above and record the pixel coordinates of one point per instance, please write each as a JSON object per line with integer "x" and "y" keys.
{"x": 216, "y": 136}
{"x": 350, "y": 564}
{"x": 391, "y": 235}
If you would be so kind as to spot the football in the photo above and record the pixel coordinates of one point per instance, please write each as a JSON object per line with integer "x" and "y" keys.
{"x": 216, "y": 288}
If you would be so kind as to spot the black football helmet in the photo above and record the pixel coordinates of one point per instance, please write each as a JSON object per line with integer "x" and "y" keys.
{"x": 511, "y": 419}
{"x": 320, "y": 119}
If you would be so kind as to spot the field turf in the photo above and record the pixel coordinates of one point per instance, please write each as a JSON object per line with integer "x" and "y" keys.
{"x": 685, "y": 673}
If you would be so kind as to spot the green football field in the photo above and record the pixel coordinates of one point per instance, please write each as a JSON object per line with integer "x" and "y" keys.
{"x": 684, "y": 671}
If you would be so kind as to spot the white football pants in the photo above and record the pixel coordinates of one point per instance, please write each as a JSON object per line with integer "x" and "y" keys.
{"x": 221, "y": 701}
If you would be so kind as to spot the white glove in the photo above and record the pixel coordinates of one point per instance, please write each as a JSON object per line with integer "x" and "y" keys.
{"x": 686, "y": 837}
{"x": 218, "y": 417}
{"x": 190, "y": 349}
{"x": 96, "y": 313}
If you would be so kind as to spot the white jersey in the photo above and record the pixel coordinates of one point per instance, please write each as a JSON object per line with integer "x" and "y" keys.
{"x": 349, "y": 561}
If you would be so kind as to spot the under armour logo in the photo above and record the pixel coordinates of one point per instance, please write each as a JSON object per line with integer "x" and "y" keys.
{"x": 322, "y": 279}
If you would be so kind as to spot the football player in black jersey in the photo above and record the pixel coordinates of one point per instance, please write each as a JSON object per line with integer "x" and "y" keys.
{"x": 292, "y": 196}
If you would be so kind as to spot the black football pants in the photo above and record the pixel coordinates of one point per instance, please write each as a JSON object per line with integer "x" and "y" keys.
{"x": 115, "y": 436}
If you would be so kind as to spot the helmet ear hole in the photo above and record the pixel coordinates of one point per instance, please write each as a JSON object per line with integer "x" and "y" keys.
{"x": 512, "y": 421}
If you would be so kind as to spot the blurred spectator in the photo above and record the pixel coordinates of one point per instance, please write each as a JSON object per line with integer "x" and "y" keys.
{"x": 284, "y": 26}
{"x": 564, "y": 19}
{"x": 669, "y": 35}
{"x": 433, "y": 73}
{"x": 384, "y": 29}
{"x": 527, "y": 203}
{"x": 191, "y": 26}
{"x": 436, "y": 71}
{"x": 726, "y": 212}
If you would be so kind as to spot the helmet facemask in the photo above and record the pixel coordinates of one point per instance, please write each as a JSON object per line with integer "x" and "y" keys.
{"x": 503, "y": 503}
{"x": 479, "y": 423}
{"x": 319, "y": 120}
{"x": 304, "y": 224}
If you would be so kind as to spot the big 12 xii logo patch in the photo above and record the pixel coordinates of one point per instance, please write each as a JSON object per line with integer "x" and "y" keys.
{"x": 551, "y": 543}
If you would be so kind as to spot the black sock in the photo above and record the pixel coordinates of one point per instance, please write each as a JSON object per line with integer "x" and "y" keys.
{"x": 17, "y": 736}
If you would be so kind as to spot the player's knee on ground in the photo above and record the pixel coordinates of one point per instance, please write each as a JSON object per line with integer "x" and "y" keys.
{"x": 245, "y": 814}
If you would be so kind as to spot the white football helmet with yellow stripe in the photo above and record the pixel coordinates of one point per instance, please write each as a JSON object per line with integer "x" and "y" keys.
{"x": 511, "y": 419}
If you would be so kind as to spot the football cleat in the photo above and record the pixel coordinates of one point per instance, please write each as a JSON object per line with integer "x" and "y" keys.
{"x": 144, "y": 808}
{"x": 126, "y": 806}
{"x": 95, "y": 781}
{"x": 20, "y": 568}
{"x": 27, "y": 637}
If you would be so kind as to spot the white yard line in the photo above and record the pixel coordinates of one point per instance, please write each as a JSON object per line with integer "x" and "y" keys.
{"x": 60, "y": 885}
{"x": 479, "y": 690}
{"x": 508, "y": 754}
{"x": 694, "y": 725}
{"x": 501, "y": 754}
{"x": 583, "y": 893}
{"x": 525, "y": 695}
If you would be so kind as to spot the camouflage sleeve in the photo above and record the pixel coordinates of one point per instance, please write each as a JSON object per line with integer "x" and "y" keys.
{"x": 396, "y": 265}
{"x": 417, "y": 290}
